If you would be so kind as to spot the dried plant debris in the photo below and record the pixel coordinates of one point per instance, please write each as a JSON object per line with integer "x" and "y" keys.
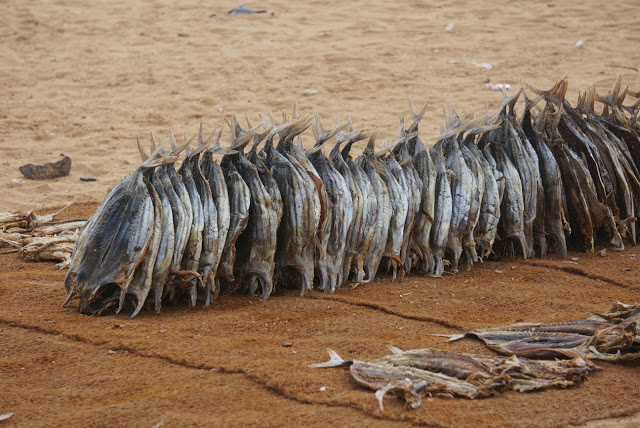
{"x": 47, "y": 170}
{"x": 611, "y": 336}
{"x": 289, "y": 215}
{"x": 413, "y": 374}
{"x": 39, "y": 238}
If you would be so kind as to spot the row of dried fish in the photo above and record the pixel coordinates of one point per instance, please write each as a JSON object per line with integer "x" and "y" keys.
{"x": 611, "y": 336}
{"x": 283, "y": 214}
{"x": 413, "y": 374}
{"x": 39, "y": 237}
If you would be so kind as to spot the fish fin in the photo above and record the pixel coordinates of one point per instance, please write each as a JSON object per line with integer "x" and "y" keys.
{"x": 334, "y": 361}
{"x": 417, "y": 117}
{"x": 394, "y": 349}
{"x": 322, "y": 135}
{"x": 452, "y": 337}
{"x": 240, "y": 137}
{"x": 143, "y": 154}
{"x": 71, "y": 295}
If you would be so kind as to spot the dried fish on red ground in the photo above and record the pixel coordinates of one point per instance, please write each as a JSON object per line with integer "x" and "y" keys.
{"x": 416, "y": 373}
{"x": 612, "y": 336}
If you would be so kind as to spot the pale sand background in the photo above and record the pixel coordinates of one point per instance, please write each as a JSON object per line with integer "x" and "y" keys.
{"x": 85, "y": 78}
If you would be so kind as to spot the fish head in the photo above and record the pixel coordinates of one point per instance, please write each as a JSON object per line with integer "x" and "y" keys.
{"x": 616, "y": 338}
{"x": 94, "y": 297}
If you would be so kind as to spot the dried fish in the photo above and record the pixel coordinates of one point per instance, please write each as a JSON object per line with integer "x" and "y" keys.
{"x": 425, "y": 179}
{"x": 371, "y": 166}
{"x": 612, "y": 336}
{"x": 555, "y": 222}
{"x": 112, "y": 244}
{"x": 340, "y": 206}
{"x": 443, "y": 210}
{"x": 365, "y": 208}
{"x": 392, "y": 174}
{"x": 415, "y": 373}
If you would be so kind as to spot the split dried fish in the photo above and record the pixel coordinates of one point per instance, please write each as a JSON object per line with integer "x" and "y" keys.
{"x": 612, "y": 336}
{"x": 415, "y": 373}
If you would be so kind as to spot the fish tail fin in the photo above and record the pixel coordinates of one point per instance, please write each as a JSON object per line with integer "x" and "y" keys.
{"x": 394, "y": 349}
{"x": 334, "y": 361}
{"x": 322, "y": 135}
{"x": 240, "y": 137}
{"x": 417, "y": 117}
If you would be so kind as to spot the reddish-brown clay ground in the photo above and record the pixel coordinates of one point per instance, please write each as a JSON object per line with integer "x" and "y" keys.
{"x": 227, "y": 365}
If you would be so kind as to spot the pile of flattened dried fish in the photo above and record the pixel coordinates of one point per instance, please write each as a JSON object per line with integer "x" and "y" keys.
{"x": 415, "y": 373}
{"x": 39, "y": 237}
{"x": 276, "y": 213}
{"x": 611, "y": 336}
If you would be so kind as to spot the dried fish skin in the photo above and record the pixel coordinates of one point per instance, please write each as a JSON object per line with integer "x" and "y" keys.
{"x": 526, "y": 171}
{"x": 554, "y": 215}
{"x": 489, "y": 215}
{"x": 462, "y": 184}
{"x": 298, "y": 227}
{"x": 496, "y": 372}
{"x": 361, "y": 242}
{"x": 468, "y": 242}
{"x": 370, "y": 166}
{"x": 239, "y": 203}
{"x": 341, "y": 208}
{"x": 425, "y": 177}
{"x": 443, "y": 210}
{"x": 392, "y": 171}
{"x": 326, "y": 268}
{"x": 112, "y": 245}
{"x": 193, "y": 249}
{"x": 511, "y": 225}
{"x": 424, "y": 222}
{"x": 415, "y": 373}
{"x": 378, "y": 376}
{"x": 214, "y": 175}
{"x": 166, "y": 246}
{"x": 354, "y": 229}
{"x": 593, "y": 338}
{"x": 140, "y": 285}
{"x": 256, "y": 246}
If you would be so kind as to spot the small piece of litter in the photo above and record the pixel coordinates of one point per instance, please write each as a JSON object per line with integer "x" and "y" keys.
{"x": 626, "y": 269}
{"x": 163, "y": 330}
{"x": 242, "y": 9}
{"x": 449, "y": 26}
{"x": 159, "y": 424}
{"x": 287, "y": 344}
{"x": 6, "y": 416}
{"x": 575, "y": 258}
{"x": 496, "y": 86}
{"x": 484, "y": 65}
{"x": 569, "y": 261}
{"x": 580, "y": 43}
{"x": 88, "y": 177}
{"x": 602, "y": 253}
{"x": 323, "y": 388}
{"x": 498, "y": 271}
{"x": 309, "y": 92}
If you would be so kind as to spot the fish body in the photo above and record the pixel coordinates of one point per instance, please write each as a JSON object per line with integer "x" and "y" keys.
{"x": 443, "y": 209}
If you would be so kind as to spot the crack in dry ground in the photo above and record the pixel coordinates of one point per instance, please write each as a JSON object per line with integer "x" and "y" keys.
{"x": 222, "y": 370}
{"x": 392, "y": 312}
{"x": 580, "y": 272}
